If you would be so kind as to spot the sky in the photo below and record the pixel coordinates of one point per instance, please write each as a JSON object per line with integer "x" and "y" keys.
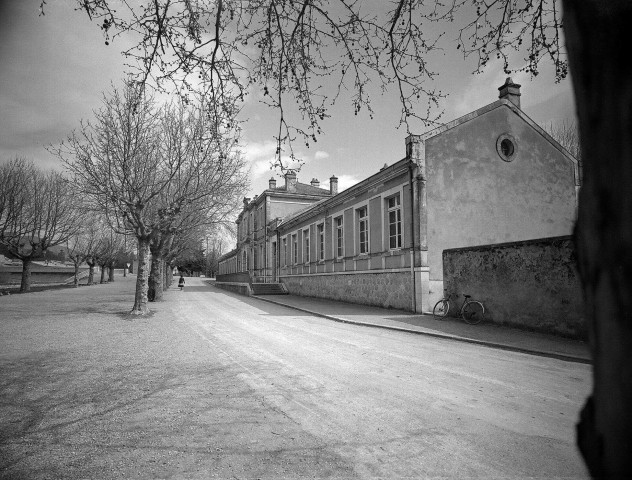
{"x": 54, "y": 68}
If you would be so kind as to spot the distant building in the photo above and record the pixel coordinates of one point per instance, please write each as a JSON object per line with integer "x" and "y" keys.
{"x": 256, "y": 236}
{"x": 490, "y": 176}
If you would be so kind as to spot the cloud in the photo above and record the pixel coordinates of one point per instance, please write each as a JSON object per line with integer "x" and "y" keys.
{"x": 319, "y": 155}
{"x": 480, "y": 88}
{"x": 260, "y": 156}
{"x": 346, "y": 181}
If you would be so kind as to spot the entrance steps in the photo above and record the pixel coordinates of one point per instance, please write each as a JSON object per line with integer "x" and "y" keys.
{"x": 268, "y": 289}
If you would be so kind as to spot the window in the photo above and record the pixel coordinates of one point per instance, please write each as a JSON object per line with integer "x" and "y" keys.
{"x": 284, "y": 252}
{"x": 256, "y": 220}
{"x": 294, "y": 250}
{"x": 306, "y": 244}
{"x": 363, "y": 229}
{"x": 321, "y": 242}
{"x": 506, "y": 147}
{"x": 394, "y": 223}
{"x": 339, "y": 238}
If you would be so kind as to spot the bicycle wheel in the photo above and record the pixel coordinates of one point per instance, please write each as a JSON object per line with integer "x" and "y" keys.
{"x": 473, "y": 313}
{"x": 441, "y": 309}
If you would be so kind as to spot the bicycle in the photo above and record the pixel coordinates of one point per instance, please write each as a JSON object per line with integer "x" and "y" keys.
{"x": 472, "y": 311}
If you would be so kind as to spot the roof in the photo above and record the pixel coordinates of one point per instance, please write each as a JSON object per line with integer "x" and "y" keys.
{"x": 382, "y": 175}
{"x": 303, "y": 189}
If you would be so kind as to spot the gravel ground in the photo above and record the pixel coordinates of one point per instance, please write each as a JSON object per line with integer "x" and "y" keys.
{"x": 87, "y": 391}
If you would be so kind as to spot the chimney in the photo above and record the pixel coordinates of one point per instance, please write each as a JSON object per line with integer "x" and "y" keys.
{"x": 510, "y": 91}
{"x": 315, "y": 183}
{"x": 290, "y": 181}
{"x": 333, "y": 185}
{"x": 272, "y": 183}
{"x": 246, "y": 201}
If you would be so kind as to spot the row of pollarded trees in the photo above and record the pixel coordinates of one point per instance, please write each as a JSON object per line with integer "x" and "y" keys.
{"x": 96, "y": 244}
{"x": 161, "y": 173}
{"x": 37, "y": 212}
{"x": 40, "y": 210}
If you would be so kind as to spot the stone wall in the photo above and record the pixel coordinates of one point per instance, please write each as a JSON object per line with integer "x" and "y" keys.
{"x": 532, "y": 284}
{"x": 387, "y": 289}
{"x": 239, "y": 277}
{"x": 240, "y": 288}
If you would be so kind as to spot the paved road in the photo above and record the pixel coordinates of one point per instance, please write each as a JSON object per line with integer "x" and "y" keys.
{"x": 218, "y": 385}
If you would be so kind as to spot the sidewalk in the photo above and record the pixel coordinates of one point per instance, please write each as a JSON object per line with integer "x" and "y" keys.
{"x": 493, "y": 336}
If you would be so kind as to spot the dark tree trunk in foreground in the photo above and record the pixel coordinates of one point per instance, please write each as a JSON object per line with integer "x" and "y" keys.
{"x": 102, "y": 273}
{"x": 25, "y": 285}
{"x": 142, "y": 276}
{"x": 598, "y": 33}
{"x": 111, "y": 273}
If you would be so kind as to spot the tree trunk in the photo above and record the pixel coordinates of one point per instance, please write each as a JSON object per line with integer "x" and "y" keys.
{"x": 142, "y": 276}
{"x": 165, "y": 275}
{"x": 596, "y": 34}
{"x": 111, "y": 272}
{"x": 156, "y": 277}
{"x": 76, "y": 264}
{"x": 25, "y": 286}
{"x": 91, "y": 273}
{"x": 102, "y": 273}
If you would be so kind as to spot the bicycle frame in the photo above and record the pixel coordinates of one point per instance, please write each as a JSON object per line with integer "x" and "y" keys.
{"x": 472, "y": 317}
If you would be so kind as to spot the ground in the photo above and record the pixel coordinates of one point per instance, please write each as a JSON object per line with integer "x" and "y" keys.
{"x": 214, "y": 385}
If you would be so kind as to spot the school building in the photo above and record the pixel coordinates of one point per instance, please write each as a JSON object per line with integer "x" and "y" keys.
{"x": 491, "y": 176}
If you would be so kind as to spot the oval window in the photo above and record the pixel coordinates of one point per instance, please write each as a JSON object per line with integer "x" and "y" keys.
{"x": 506, "y": 147}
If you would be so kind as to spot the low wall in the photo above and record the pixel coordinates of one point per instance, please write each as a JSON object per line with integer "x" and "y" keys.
{"x": 532, "y": 284}
{"x": 239, "y": 277}
{"x": 39, "y": 274}
{"x": 386, "y": 289}
{"x": 240, "y": 288}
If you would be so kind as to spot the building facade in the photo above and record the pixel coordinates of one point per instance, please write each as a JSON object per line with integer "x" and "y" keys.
{"x": 491, "y": 176}
{"x": 256, "y": 249}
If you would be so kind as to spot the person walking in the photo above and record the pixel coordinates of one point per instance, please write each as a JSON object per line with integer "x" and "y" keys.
{"x": 181, "y": 282}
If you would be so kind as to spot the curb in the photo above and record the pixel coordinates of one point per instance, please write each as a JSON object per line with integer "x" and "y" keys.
{"x": 485, "y": 343}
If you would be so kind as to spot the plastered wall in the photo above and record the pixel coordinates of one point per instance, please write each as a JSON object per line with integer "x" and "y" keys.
{"x": 474, "y": 197}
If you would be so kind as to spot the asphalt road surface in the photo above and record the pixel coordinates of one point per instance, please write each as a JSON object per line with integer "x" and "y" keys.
{"x": 215, "y": 385}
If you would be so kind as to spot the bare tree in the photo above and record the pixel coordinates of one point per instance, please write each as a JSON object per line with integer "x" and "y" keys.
{"x": 210, "y": 181}
{"x": 110, "y": 245}
{"x": 116, "y": 164}
{"x": 37, "y": 213}
{"x": 284, "y": 50}
{"x": 183, "y": 39}
{"x": 144, "y": 166}
{"x": 82, "y": 246}
{"x": 566, "y": 133}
